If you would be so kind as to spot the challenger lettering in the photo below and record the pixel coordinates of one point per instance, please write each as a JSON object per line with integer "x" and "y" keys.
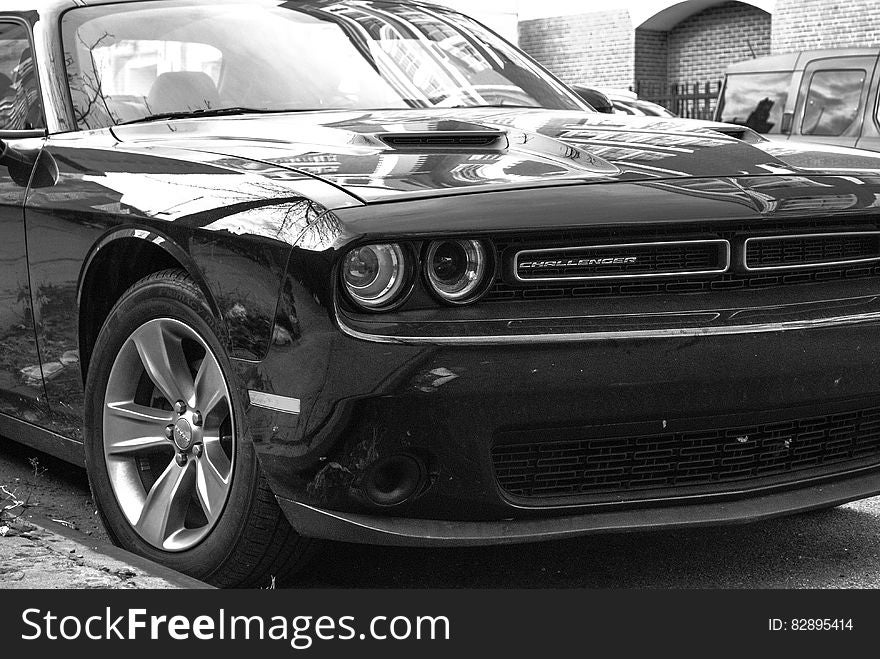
{"x": 578, "y": 263}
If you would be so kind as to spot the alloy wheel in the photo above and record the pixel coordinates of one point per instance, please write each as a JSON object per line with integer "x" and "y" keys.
{"x": 169, "y": 434}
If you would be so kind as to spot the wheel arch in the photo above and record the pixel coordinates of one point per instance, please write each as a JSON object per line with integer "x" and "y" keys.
{"x": 117, "y": 261}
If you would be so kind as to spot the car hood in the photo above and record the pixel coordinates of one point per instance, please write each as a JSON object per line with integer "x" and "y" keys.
{"x": 379, "y": 156}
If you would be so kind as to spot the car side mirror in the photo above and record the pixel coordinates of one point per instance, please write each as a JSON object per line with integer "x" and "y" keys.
{"x": 19, "y": 166}
{"x": 595, "y": 99}
{"x": 787, "y": 121}
{"x": 602, "y": 103}
{"x": 34, "y": 167}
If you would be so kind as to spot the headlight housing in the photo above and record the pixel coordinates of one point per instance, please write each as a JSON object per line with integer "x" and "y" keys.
{"x": 375, "y": 276}
{"x": 456, "y": 270}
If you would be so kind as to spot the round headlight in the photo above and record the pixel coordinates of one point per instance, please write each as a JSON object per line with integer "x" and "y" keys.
{"x": 374, "y": 275}
{"x": 456, "y": 269}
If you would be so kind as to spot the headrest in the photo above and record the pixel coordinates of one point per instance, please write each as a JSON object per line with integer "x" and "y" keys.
{"x": 182, "y": 91}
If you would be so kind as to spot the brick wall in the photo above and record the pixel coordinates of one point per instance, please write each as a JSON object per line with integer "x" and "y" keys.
{"x": 595, "y": 48}
{"x": 807, "y": 24}
{"x": 603, "y": 49}
{"x": 703, "y": 45}
{"x": 652, "y": 56}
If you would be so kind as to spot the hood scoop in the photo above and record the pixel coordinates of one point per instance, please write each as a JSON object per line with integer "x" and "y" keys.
{"x": 741, "y": 133}
{"x": 469, "y": 140}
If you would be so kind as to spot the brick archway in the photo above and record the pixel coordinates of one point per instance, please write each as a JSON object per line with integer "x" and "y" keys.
{"x": 708, "y": 38}
{"x": 676, "y": 11}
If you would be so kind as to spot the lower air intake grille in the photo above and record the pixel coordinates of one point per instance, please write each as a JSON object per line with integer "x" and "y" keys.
{"x": 685, "y": 461}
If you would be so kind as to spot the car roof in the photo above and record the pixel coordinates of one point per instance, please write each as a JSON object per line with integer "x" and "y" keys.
{"x": 91, "y": 3}
{"x": 17, "y": 6}
{"x": 53, "y": 8}
{"x": 798, "y": 60}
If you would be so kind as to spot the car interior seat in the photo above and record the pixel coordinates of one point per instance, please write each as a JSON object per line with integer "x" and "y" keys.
{"x": 182, "y": 91}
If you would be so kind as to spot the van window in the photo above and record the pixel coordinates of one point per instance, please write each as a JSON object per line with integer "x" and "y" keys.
{"x": 755, "y": 100}
{"x": 833, "y": 102}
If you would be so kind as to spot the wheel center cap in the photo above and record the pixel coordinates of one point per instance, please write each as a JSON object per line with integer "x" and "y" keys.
{"x": 183, "y": 435}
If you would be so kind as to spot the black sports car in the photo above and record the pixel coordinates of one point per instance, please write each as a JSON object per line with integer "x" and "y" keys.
{"x": 360, "y": 270}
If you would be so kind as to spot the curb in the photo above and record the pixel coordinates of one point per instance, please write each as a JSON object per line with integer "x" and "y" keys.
{"x": 88, "y": 549}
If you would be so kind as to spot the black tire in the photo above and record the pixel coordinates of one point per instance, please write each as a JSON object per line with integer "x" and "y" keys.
{"x": 252, "y": 541}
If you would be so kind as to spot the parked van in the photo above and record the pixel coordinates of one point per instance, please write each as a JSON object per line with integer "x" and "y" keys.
{"x": 827, "y": 96}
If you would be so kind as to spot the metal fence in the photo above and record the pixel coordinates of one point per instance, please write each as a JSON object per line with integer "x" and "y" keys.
{"x": 689, "y": 100}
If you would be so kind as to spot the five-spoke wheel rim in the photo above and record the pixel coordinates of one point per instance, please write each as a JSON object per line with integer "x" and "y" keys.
{"x": 169, "y": 434}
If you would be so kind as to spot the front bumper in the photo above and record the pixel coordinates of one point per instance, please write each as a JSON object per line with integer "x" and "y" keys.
{"x": 395, "y": 531}
{"x": 448, "y": 405}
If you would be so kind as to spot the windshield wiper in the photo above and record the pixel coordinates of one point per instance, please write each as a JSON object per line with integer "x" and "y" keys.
{"x": 206, "y": 112}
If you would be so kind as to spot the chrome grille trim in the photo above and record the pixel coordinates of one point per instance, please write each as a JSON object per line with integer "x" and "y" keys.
{"x": 724, "y": 244}
{"x": 802, "y": 236}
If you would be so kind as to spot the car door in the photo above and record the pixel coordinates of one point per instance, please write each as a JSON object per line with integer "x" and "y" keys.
{"x": 832, "y": 100}
{"x": 22, "y": 394}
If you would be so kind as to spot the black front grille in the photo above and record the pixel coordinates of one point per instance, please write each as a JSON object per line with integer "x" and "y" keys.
{"x": 623, "y": 260}
{"x": 821, "y": 259}
{"x": 503, "y": 291}
{"x": 679, "y": 463}
{"x": 797, "y": 251}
